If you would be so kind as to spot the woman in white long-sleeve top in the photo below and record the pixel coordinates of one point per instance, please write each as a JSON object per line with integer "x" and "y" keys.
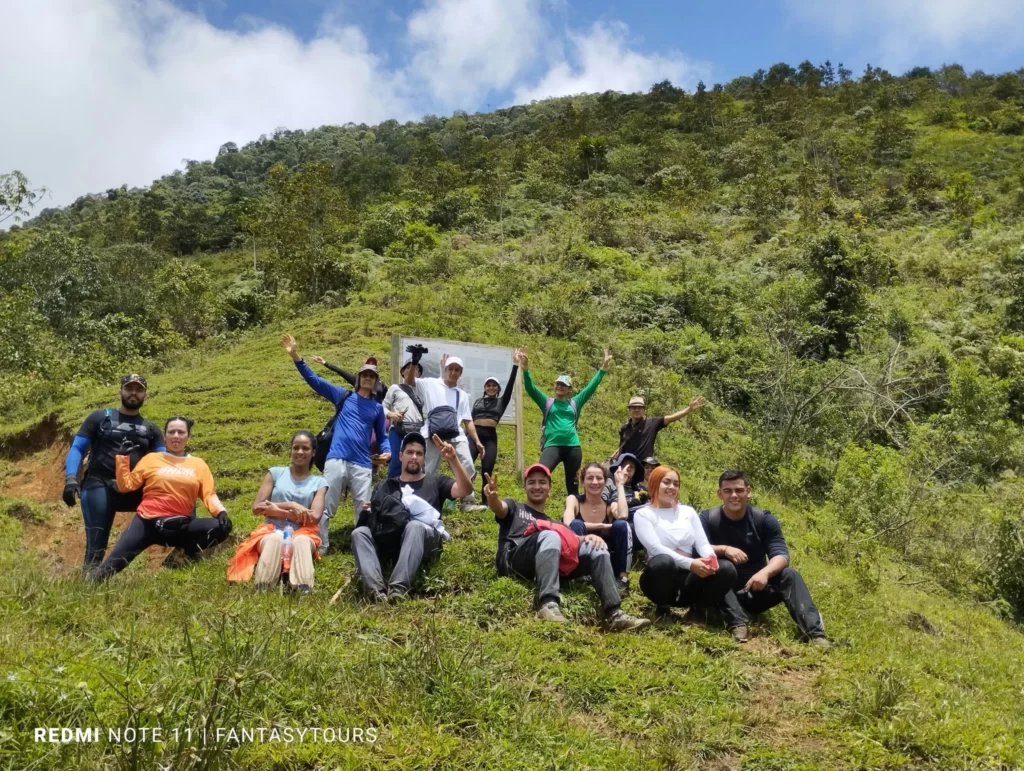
{"x": 672, "y": 534}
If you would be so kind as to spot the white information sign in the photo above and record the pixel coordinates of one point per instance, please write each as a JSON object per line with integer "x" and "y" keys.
{"x": 479, "y": 363}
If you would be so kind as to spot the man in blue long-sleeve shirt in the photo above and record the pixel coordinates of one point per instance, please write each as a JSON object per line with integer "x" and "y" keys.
{"x": 348, "y": 463}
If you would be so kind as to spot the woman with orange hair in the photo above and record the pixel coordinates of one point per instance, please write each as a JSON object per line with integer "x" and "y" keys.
{"x": 682, "y": 569}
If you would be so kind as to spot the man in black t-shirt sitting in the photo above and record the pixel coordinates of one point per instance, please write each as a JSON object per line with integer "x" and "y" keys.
{"x": 423, "y": 496}
{"x": 536, "y": 556}
{"x": 101, "y": 436}
{"x": 752, "y": 540}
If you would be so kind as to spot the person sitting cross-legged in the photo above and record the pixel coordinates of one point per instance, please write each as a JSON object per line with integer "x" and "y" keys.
{"x": 526, "y": 549}
{"x": 671, "y": 533}
{"x": 591, "y": 514}
{"x": 751, "y": 539}
{"x": 291, "y": 501}
{"x": 403, "y": 519}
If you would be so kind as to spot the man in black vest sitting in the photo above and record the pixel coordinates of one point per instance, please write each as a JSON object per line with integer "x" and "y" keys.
{"x": 752, "y": 540}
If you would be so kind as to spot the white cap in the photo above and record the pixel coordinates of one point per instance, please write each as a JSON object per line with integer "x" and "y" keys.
{"x": 454, "y": 360}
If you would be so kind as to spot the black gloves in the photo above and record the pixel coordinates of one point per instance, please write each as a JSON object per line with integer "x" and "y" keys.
{"x": 70, "y": 489}
{"x": 417, "y": 352}
{"x": 127, "y": 447}
{"x": 225, "y": 523}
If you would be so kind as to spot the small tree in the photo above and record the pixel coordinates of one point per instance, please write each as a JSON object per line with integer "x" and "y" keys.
{"x": 841, "y": 293}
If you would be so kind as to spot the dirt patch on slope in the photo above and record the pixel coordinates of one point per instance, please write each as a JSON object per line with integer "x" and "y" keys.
{"x": 60, "y": 540}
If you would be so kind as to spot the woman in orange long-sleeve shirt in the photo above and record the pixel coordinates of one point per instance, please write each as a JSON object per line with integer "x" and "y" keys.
{"x": 171, "y": 483}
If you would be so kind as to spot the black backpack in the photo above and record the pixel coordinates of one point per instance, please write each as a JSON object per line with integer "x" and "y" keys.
{"x": 386, "y": 517}
{"x": 715, "y": 521}
{"x": 444, "y": 420}
{"x": 326, "y": 435}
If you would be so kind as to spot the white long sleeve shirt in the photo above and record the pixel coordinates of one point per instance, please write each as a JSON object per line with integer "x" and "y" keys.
{"x": 676, "y": 532}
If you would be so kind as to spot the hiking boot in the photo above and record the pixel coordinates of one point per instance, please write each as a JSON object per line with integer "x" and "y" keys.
{"x": 376, "y": 598}
{"x": 820, "y": 642}
{"x": 663, "y": 615}
{"x": 619, "y": 621}
{"x": 550, "y": 611}
{"x": 395, "y": 596}
{"x": 696, "y": 617}
{"x": 304, "y": 589}
{"x": 740, "y": 633}
{"x": 323, "y": 549}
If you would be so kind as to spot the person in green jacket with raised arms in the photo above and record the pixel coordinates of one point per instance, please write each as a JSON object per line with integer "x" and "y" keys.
{"x": 559, "y": 441}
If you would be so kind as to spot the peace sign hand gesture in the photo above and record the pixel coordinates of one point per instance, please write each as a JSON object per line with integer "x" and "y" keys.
{"x": 491, "y": 488}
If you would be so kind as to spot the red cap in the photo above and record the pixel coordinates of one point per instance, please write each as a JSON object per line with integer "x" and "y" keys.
{"x": 371, "y": 360}
{"x": 536, "y": 467}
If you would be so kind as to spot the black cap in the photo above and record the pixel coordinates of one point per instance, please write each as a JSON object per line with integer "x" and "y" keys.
{"x": 133, "y": 378}
{"x": 650, "y": 460}
{"x": 414, "y": 438}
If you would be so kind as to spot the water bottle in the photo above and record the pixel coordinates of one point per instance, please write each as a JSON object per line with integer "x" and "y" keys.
{"x": 286, "y": 551}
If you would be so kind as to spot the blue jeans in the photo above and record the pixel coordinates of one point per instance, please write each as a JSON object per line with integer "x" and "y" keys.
{"x": 99, "y": 504}
{"x": 394, "y": 465}
{"x": 619, "y": 540}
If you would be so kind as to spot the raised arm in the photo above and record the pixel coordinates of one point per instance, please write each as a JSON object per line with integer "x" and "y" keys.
{"x": 463, "y": 484}
{"x": 494, "y": 503}
{"x": 695, "y": 404}
{"x": 327, "y": 390}
{"x": 539, "y": 397}
{"x": 348, "y": 377}
{"x": 619, "y": 509}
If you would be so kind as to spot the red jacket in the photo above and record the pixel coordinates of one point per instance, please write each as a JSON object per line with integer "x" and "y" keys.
{"x": 569, "y": 556}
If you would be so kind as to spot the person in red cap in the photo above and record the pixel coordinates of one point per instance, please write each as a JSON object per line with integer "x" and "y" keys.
{"x": 357, "y": 416}
{"x": 536, "y": 556}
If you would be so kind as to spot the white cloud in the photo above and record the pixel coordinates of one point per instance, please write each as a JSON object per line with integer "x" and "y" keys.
{"x": 901, "y": 31}
{"x": 465, "y": 48}
{"x": 603, "y": 61}
{"x": 115, "y": 91}
{"x": 110, "y": 92}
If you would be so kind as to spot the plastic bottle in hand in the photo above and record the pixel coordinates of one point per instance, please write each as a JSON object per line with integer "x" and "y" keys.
{"x": 286, "y": 550}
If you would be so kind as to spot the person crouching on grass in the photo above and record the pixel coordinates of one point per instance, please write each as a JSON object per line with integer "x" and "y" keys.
{"x": 671, "y": 532}
{"x": 528, "y": 550}
{"x": 171, "y": 482}
{"x": 291, "y": 501}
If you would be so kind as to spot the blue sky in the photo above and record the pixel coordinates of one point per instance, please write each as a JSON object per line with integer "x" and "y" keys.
{"x": 732, "y": 38}
{"x": 121, "y": 91}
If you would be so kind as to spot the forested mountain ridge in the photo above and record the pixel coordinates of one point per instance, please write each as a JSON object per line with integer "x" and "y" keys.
{"x": 835, "y": 262}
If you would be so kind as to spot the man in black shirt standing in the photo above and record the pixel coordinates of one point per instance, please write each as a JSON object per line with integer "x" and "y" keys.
{"x": 637, "y": 434}
{"x": 420, "y": 538}
{"x": 101, "y": 436}
{"x": 536, "y": 556}
{"x": 752, "y": 540}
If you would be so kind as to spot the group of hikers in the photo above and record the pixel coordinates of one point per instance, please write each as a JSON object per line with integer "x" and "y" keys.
{"x": 731, "y": 560}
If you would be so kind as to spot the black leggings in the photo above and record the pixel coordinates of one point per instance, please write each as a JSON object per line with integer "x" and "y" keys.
{"x": 143, "y": 533}
{"x": 572, "y": 457}
{"x": 489, "y": 439}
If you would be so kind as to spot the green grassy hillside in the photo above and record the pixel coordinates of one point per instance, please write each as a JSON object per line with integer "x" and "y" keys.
{"x": 463, "y": 676}
{"x": 836, "y": 263}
